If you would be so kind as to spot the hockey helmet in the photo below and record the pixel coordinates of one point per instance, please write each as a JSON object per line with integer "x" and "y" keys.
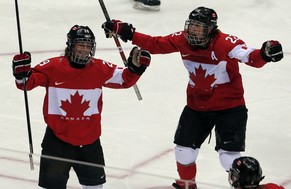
{"x": 245, "y": 173}
{"x": 81, "y": 45}
{"x": 200, "y": 26}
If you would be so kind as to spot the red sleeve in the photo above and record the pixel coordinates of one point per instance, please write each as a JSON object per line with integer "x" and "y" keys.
{"x": 157, "y": 44}
{"x": 129, "y": 78}
{"x": 117, "y": 77}
{"x": 230, "y": 44}
{"x": 270, "y": 186}
{"x": 37, "y": 78}
{"x": 256, "y": 60}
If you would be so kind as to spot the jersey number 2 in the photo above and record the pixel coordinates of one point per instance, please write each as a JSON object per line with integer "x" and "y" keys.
{"x": 232, "y": 39}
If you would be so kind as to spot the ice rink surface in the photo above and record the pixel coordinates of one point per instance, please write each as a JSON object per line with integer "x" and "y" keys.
{"x": 137, "y": 135}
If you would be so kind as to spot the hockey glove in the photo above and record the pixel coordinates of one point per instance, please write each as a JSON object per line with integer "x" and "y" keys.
{"x": 271, "y": 51}
{"x": 21, "y": 66}
{"x": 121, "y": 29}
{"x": 138, "y": 60}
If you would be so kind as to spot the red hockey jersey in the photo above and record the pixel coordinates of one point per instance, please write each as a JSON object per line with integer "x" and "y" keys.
{"x": 214, "y": 79}
{"x": 73, "y": 100}
{"x": 270, "y": 186}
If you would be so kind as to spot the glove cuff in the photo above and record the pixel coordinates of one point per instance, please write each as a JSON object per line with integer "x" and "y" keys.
{"x": 264, "y": 56}
{"x": 21, "y": 81}
{"x": 19, "y": 76}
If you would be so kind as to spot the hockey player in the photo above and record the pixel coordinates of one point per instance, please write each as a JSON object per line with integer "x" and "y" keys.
{"x": 215, "y": 94}
{"x": 73, "y": 105}
{"x": 150, "y": 5}
{"x": 246, "y": 173}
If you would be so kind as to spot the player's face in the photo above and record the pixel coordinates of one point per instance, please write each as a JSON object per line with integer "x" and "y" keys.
{"x": 83, "y": 48}
{"x": 197, "y": 29}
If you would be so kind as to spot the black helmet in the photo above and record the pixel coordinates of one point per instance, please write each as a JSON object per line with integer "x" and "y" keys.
{"x": 245, "y": 173}
{"x": 202, "y": 17}
{"x": 80, "y": 35}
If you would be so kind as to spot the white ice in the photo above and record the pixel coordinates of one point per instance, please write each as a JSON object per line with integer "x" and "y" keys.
{"x": 137, "y": 135}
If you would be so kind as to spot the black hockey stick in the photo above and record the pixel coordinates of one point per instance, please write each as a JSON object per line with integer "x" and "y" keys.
{"x": 25, "y": 90}
{"x": 119, "y": 47}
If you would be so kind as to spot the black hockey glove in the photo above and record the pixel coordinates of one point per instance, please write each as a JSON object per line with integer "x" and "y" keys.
{"x": 138, "y": 60}
{"x": 271, "y": 51}
{"x": 121, "y": 29}
{"x": 21, "y": 66}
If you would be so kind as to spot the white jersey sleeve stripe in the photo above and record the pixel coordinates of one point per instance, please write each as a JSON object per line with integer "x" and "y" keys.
{"x": 241, "y": 52}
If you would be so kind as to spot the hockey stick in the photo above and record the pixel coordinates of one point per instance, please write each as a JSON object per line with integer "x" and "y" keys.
{"x": 25, "y": 90}
{"x": 139, "y": 97}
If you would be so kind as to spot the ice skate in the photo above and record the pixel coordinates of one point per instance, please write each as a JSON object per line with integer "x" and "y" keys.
{"x": 151, "y": 5}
